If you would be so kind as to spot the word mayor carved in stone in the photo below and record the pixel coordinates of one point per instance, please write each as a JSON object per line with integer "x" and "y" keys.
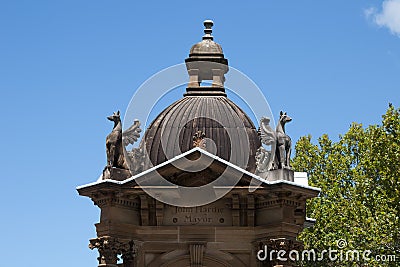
{"x": 213, "y": 214}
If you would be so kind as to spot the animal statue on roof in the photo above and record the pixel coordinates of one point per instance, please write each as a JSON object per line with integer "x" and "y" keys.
{"x": 277, "y": 139}
{"x": 283, "y": 143}
{"x": 117, "y": 140}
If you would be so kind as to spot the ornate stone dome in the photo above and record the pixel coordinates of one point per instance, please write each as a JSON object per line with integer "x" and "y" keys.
{"x": 206, "y": 110}
{"x": 206, "y": 46}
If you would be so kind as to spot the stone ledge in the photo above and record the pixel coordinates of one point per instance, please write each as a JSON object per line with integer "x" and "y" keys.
{"x": 280, "y": 174}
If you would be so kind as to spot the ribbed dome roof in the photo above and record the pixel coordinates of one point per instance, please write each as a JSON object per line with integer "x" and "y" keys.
{"x": 205, "y": 109}
{"x": 221, "y": 120}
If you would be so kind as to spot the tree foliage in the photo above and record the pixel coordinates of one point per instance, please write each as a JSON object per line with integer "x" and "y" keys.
{"x": 359, "y": 177}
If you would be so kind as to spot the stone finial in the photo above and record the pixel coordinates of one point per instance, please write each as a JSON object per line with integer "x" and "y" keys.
{"x": 208, "y": 29}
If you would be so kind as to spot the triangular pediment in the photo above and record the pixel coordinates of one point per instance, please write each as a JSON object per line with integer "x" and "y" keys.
{"x": 194, "y": 168}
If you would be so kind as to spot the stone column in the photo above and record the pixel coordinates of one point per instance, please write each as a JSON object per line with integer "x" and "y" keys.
{"x": 193, "y": 78}
{"x": 218, "y": 78}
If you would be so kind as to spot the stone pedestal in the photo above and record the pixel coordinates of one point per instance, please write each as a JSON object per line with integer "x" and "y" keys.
{"x": 280, "y": 174}
{"x": 116, "y": 174}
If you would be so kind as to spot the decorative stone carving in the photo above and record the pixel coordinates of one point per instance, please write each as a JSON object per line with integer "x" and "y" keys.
{"x": 109, "y": 248}
{"x": 129, "y": 254}
{"x": 267, "y": 134}
{"x": 264, "y": 157}
{"x": 198, "y": 140}
{"x": 136, "y": 160}
{"x": 116, "y": 142}
{"x": 265, "y": 160}
{"x": 131, "y": 135}
{"x": 196, "y": 255}
{"x": 283, "y": 143}
{"x": 114, "y": 148}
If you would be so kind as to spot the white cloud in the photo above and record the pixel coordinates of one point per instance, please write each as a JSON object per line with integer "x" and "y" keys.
{"x": 388, "y": 17}
{"x": 369, "y": 12}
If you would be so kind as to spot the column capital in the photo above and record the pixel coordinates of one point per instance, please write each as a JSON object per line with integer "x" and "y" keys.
{"x": 109, "y": 248}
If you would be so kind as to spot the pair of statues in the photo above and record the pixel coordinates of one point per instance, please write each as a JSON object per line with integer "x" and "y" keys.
{"x": 117, "y": 140}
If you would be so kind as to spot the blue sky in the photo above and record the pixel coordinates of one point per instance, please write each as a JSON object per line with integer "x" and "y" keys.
{"x": 66, "y": 65}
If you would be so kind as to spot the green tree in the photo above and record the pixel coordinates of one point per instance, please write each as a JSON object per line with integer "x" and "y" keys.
{"x": 359, "y": 177}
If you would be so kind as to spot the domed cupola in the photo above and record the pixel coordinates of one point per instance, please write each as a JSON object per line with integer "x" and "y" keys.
{"x": 206, "y": 61}
{"x": 207, "y": 47}
{"x": 204, "y": 112}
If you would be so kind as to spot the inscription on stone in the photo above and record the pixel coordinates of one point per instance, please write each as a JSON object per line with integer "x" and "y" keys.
{"x": 217, "y": 214}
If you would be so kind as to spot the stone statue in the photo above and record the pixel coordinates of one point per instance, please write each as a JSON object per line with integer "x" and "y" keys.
{"x": 267, "y": 134}
{"x": 114, "y": 148}
{"x": 199, "y": 141}
{"x": 281, "y": 158}
{"x": 263, "y": 156}
{"x": 132, "y": 134}
{"x": 117, "y": 140}
{"x": 136, "y": 160}
{"x": 135, "y": 157}
{"x": 283, "y": 143}
{"x": 263, "y": 160}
